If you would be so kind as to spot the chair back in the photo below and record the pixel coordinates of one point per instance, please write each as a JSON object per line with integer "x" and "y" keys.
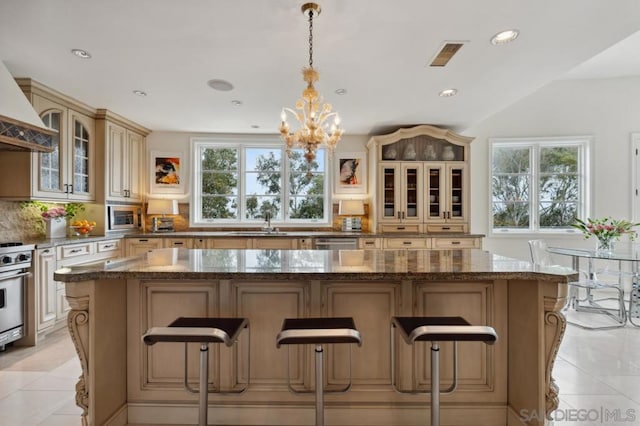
{"x": 539, "y": 254}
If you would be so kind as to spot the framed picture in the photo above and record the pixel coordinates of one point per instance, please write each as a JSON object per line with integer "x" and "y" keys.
{"x": 350, "y": 172}
{"x": 167, "y": 174}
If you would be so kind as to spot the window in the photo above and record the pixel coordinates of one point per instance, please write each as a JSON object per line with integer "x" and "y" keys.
{"x": 241, "y": 182}
{"x": 538, "y": 185}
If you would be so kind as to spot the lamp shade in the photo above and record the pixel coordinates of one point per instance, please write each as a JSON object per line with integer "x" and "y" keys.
{"x": 351, "y": 207}
{"x": 162, "y": 207}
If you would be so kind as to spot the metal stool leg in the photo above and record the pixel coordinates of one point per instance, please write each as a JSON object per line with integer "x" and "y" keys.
{"x": 319, "y": 388}
{"x": 204, "y": 383}
{"x": 435, "y": 384}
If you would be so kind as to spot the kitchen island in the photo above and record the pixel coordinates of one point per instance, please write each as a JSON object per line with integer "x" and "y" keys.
{"x": 125, "y": 382}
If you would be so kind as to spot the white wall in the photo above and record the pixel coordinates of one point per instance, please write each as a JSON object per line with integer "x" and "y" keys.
{"x": 180, "y": 143}
{"x": 609, "y": 110}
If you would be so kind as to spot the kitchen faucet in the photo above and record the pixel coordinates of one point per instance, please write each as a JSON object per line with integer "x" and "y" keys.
{"x": 267, "y": 218}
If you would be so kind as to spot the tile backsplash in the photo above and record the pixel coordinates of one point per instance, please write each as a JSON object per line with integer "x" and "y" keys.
{"x": 18, "y": 223}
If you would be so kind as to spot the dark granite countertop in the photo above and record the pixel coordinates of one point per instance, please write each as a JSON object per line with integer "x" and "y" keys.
{"x": 200, "y": 264}
{"x": 297, "y": 234}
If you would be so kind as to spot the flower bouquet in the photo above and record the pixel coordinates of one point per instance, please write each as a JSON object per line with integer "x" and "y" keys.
{"x": 606, "y": 230}
{"x": 55, "y": 217}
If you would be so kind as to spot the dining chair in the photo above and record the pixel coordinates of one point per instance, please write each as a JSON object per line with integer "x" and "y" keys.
{"x": 593, "y": 286}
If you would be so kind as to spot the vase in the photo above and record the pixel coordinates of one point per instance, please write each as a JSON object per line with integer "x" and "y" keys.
{"x": 605, "y": 245}
{"x": 56, "y": 227}
{"x": 448, "y": 154}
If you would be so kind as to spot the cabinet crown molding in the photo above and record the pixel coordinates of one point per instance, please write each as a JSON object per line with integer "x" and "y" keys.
{"x": 421, "y": 130}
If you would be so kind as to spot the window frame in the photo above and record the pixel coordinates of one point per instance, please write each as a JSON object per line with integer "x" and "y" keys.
{"x": 534, "y": 144}
{"x": 242, "y": 143}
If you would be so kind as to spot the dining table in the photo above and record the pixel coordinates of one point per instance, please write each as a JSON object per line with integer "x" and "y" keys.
{"x": 627, "y": 252}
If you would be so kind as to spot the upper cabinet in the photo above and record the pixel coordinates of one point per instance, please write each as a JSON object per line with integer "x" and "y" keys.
{"x": 422, "y": 180}
{"x": 98, "y": 156}
{"x": 69, "y": 172}
{"x": 124, "y": 144}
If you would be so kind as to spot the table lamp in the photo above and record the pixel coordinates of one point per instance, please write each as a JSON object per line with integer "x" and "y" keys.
{"x": 351, "y": 208}
{"x": 162, "y": 207}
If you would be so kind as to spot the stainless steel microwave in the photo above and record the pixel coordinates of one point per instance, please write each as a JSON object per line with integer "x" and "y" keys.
{"x": 124, "y": 218}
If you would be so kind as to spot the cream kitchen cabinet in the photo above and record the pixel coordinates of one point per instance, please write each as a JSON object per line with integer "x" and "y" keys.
{"x": 124, "y": 144}
{"x": 422, "y": 179}
{"x": 275, "y": 243}
{"x": 69, "y": 172}
{"x": 134, "y": 246}
{"x": 178, "y": 242}
{"x": 370, "y": 243}
{"x": 401, "y": 192}
{"x": 51, "y": 303}
{"x": 446, "y": 197}
{"x": 46, "y": 289}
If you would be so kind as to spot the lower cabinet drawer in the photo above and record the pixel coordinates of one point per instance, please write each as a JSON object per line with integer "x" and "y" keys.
{"x": 446, "y": 228}
{"x": 398, "y": 243}
{"x": 75, "y": 250}
{"x": 412, "y": 228}
{"x": 369, "y": 243}
{"x": 452, "y": 243}
{"x": 109, "y": 246}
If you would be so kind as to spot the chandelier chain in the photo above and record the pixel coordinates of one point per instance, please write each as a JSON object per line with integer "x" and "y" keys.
{"x": 310, "y": 38}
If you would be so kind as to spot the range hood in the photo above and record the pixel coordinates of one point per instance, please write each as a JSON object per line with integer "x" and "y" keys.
{"x": 21, "y": 128}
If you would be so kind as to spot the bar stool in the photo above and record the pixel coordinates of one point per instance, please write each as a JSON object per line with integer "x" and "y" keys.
{"x": 318, "y": 331}
{"x": 438, "y": 329}
{"x": 203, "y": 331}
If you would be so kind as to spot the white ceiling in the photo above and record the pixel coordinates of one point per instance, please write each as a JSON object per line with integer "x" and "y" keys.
{"x": 378, "y": 50}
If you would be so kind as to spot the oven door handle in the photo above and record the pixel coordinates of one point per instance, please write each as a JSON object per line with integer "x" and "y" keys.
{"x": 10, "y": 277}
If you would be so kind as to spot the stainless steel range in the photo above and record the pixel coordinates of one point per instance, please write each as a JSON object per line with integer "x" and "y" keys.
{"x": 15, "y": 265}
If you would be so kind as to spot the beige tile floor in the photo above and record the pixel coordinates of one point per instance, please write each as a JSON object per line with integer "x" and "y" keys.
{"x": 598, "y": 373}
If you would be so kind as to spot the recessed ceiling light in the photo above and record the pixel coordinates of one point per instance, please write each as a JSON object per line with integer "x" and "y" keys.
{"x": 504, "y": 37}
{"x": 341, "y": 91}
{"x": 222, "y": 85}
{"x": 236, "y": 102}
{"x": 140, "y": 93}
{"x": 446, "y": 93}
{"x": 80, "y": 53}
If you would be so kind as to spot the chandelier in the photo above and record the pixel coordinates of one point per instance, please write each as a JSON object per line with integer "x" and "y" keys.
{"x": 313, "y": 119}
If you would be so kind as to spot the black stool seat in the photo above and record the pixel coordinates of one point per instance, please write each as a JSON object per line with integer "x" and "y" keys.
{"x": 435, "y": 330}
{"x": 198, "y": 330}
{"x": 299, "y": 331}
{"x": 443, "y": 329}
{"x": 318, "y": 331}
{"x": 203, "y": 331}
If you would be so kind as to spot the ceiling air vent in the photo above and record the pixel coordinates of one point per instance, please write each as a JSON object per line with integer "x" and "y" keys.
{"x": 446, "y": 53}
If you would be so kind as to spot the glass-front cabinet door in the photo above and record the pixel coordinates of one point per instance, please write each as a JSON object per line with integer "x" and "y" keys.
{"x": 412, "y": 203}
{"x": 445, "y": 192}
{"x": 389, "y": 210}
{"x": 456, "y": 192}
{"x": 434, "y": 189}
{"x": 48, "y": 167}
{"x": 67, "y": 172}
{"x": 81, "y": 163}
{"x": 401, "y": 197}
